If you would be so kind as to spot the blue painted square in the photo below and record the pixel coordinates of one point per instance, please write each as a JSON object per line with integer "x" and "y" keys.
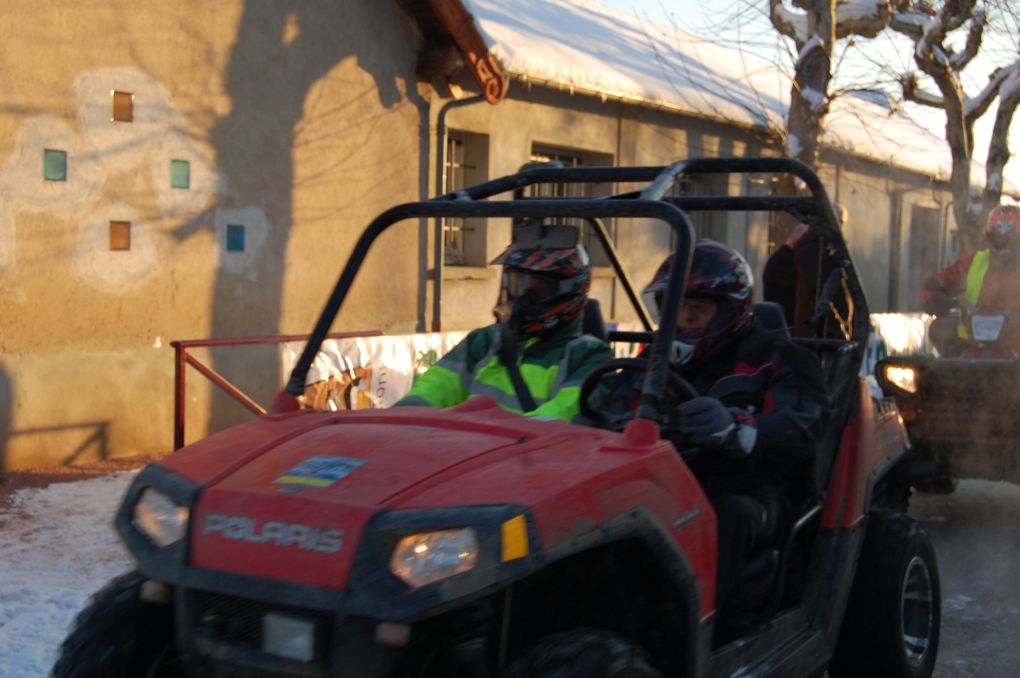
{"x": 235, "y": 237}
{"x": 54, "y": 165}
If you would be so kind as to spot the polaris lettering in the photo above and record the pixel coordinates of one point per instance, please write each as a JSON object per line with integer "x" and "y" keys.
{"x": 305, "y": 537}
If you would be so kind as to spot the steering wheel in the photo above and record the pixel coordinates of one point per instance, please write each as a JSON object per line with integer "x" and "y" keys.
{"x": 625, "y": 388}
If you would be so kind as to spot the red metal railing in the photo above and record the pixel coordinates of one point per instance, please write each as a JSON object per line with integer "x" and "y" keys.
{"x": 182, "y": 359}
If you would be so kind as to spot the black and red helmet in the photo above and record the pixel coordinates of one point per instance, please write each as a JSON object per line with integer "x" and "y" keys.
{"x": 546, "y": 278}
{"x": 719, "y": 273}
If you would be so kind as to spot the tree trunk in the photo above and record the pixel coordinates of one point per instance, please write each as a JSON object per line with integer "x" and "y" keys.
{"x": 809, "y": 97}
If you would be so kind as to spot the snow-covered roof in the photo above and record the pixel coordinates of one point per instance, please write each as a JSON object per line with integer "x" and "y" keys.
{"x": 586, "y": 47}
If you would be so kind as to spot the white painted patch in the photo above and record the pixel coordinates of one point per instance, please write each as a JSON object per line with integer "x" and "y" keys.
{"x": 256, "y": 229}
{"x": 21, "y": 179}
{"x": 158, "y": 343}
{"x": 114, "y": 271}
{"x": 96, "y": 147}
{"x": 124, "y": 143}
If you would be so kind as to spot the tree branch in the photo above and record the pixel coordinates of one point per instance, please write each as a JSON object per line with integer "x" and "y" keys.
{"x": 974, "y": 35}
{"x": 851, "y": 20}
{"x": 912, "y": 92}
{"x": 975, "y": 107}
{"x": 909, "y": 23}
{"x": 956, "y": 13}
{"x": 786, "y": 22}
{"x": 998, "y": 146}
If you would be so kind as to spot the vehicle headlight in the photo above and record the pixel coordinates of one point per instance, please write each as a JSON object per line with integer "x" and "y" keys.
{"x": 428, "y": 557}
{"x": 160, "y": 518}
{"x": 903, "y": 378}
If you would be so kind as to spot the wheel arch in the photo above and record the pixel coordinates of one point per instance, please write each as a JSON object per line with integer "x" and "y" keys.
{"x": 628, "y": 576}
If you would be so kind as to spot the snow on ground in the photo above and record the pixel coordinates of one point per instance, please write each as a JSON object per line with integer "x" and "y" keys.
{"x": 57, "y": 547}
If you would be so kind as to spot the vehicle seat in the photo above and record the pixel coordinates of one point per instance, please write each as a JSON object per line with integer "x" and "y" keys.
{"x": 770, "y": 315}
{"x": 591, "y": 320}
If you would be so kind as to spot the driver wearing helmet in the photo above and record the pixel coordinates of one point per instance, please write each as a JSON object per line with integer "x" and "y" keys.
{"x": 984, "y": 282}
{"x": 546, "y": 277}
{"x": 761, "y": 409}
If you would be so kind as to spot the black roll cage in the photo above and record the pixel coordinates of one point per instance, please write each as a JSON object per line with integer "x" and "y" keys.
{"x": 651, "y": 202}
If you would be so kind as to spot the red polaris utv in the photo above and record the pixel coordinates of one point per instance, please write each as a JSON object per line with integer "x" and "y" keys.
{"x": 477, "y": 542}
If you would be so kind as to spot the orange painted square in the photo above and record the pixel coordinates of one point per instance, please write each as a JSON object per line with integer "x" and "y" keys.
{"x": 123, "y": 106}
{"x": 120, "y": 235}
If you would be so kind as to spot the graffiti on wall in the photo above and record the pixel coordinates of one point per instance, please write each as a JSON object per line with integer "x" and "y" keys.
{"x": 367, "y": 372}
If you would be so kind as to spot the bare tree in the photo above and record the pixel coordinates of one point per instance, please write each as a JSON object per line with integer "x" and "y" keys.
{"x": 931, "y": 27}
{"x": 815, "y": 26}
{"x": 946, "y": 36}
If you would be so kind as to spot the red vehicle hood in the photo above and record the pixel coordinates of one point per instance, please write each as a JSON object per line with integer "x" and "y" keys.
{"x": 288, "y": 498}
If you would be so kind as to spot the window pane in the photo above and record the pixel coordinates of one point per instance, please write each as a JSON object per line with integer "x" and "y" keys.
{"x": 54, "y": 165}
{"x": 235, "y": 237}
{"x": 123, "y": 106}
{"x": 120, "y": 235}
{"x": 180, "y": 174}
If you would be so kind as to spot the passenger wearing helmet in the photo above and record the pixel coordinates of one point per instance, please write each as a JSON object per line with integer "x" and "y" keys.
{"x": 545, "y": 282}
{"x": 984, "y": 283}
{"x": 761, "y": 411}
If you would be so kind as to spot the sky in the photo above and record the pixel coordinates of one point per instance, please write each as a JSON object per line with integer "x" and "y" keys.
{"x": 703, "y": 19}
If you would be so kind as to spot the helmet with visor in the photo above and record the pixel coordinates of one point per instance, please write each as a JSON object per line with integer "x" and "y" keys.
{"x": 546, "y": 278}
{"x": 719, "y": 285}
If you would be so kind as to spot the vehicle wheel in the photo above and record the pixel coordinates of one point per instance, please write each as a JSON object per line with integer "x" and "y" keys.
{"x": 120, "y": 635}
{"x": 891, "y": 627}
{"x": 582, "y": 653}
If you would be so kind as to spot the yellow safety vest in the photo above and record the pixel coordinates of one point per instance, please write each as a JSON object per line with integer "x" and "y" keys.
{"x": 971, "y": 293}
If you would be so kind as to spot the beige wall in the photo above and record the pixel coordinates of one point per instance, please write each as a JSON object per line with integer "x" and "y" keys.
{"x": 290, "y": 115}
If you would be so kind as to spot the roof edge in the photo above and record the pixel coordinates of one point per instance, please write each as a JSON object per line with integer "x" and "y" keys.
{"x": 484, "y": 67}
{"x": 755, "y": 128}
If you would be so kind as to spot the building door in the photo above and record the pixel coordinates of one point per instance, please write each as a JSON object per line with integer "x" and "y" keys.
{"x": 922, "y": 252}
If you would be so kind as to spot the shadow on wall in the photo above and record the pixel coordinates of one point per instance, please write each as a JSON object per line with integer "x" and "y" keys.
{"x": 93, "y": 446}
{"x": 6, "y": 406}
{"x": 283, "y": 48}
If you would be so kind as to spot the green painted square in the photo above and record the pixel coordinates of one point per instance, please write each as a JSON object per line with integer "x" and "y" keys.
{"x": 54, "y": 165}
{"x": 235, "y": 237}
{"x": 180, "y": 174}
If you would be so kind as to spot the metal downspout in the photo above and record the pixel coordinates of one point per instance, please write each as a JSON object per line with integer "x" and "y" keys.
{"x": 437, "y": 250}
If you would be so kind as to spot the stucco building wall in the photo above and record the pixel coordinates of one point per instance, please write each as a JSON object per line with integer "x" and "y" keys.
{"x": 289, "y": 117}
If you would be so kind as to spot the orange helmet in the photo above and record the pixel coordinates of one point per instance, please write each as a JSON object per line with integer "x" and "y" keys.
{"x": 1003, "y": 219}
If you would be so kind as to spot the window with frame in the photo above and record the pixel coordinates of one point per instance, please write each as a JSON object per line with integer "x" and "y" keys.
{"x": 466, "y": 164}
{"x": 575, "y": 158}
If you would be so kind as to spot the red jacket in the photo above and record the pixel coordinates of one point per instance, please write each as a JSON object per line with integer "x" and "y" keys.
{"x": 999, "y": 292}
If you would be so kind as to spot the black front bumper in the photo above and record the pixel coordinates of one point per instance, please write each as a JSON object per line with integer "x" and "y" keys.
{"x": 221, "y": 616}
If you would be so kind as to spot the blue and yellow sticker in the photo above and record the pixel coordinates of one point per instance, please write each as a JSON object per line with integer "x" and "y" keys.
{"x": 319, "y": 471}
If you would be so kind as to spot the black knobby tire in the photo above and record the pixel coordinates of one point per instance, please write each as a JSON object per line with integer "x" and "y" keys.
{"x": 891, "y": 628}
{"x": 582, "y": 653}
{"x": 119, "y": 635}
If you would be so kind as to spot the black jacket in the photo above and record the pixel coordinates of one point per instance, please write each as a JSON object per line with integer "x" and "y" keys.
{"x": 768, "y": 382}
